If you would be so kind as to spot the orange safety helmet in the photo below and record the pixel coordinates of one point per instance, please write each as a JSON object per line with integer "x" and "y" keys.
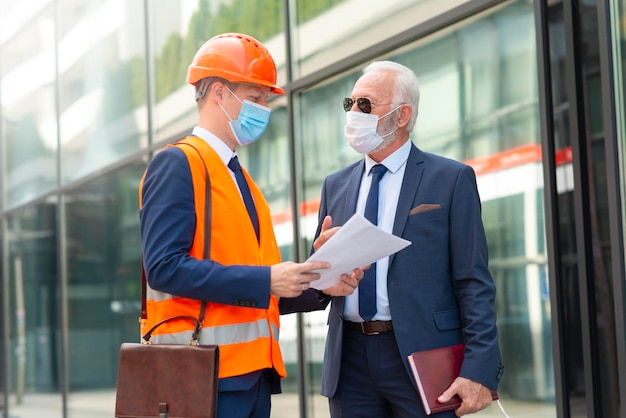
{"x": 237, "y": 58}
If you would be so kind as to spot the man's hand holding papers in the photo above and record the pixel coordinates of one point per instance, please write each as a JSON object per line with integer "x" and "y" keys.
{"x": 348, "y": 259}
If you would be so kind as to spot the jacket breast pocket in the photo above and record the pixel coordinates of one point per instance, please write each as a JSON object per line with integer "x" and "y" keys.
{"x": 425, "y": 212}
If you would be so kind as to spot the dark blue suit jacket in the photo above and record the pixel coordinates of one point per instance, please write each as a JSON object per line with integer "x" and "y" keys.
{"x": 440, "y": 290}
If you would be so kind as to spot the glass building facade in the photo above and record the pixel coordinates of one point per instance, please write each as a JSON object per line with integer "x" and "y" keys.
{"x": 530, "y": 93}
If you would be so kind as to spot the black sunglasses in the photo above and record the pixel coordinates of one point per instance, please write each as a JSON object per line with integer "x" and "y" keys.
{"x": 363, "y": 103}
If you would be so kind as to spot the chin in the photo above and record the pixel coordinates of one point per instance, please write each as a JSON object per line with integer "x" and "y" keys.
{"x": 386, "y": 142}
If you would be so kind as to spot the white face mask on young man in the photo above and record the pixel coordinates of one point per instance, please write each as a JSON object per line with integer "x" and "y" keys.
{"x": 361, "y": 130}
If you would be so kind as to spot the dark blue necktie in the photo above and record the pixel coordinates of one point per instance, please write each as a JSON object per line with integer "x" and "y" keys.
{"x": 367, "y": 286}
{"x": 245, "y": 193}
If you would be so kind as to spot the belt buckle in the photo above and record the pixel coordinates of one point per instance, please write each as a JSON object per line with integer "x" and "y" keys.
{"x": 367, "y": 333}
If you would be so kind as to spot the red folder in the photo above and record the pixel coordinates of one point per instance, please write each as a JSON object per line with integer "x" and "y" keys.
{"x": 434, "y": 371}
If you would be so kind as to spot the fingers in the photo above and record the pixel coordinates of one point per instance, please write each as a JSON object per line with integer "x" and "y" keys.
{"x": 290, "y": 279}
{"x": 351, "y": 281}
{"x": 326, "y": 233}
{"x": 475, "y": 396}
{"x": 448, "y": 394}
{"x": 310, "y": 266}
{"x": 326, "y": 223}
{"x": 358, "y": 274}
{"x": 346, "y": 285}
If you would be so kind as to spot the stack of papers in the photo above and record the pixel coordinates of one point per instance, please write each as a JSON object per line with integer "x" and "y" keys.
{"x": 357, "y": 244}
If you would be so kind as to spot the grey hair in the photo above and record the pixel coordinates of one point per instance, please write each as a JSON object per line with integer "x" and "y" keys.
{"x": 406, "y": 89}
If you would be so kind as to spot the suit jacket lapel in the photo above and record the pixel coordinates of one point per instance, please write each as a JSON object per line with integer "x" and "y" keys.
{"x": 354, "y": 183}
{"x": 410, "y": 183}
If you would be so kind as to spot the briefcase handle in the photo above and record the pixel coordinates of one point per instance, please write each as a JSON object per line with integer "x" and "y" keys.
{"x": 195, "y": 340}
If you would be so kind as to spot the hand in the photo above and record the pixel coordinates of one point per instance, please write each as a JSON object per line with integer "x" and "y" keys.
{"x": 475, "y": 396}
{"x": 325, "y": 233}
{"x": 348, "y": 283}
{"x": 289, "y": 279}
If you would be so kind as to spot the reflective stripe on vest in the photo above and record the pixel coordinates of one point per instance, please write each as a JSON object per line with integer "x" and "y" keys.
{"x": 248, "y": 337}
{"x": 223, "y": 334}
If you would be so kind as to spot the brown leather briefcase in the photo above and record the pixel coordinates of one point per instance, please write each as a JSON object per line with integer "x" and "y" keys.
{"x": 167, "y": 380}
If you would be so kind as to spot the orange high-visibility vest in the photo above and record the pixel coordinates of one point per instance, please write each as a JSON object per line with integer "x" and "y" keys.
{"x": 247, "y": 337}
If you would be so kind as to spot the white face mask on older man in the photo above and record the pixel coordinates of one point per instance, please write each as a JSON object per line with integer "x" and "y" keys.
{"x": 361, "y": 130}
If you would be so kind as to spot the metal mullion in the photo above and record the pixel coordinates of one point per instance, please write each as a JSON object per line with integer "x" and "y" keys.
{"x": 4, "y": 277}
{"x": 616, "y": 227}
{"x": 61, "y": 252}
{"x": 551, "y": 207}
{"x": 149, "y": 73}
{"x": 5, "y": 318}
{"x": 289, "y": 10}
{"x": 580, "y": 164}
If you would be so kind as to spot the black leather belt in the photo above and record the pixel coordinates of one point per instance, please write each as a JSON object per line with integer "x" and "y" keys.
{"x": 371, "y": 327}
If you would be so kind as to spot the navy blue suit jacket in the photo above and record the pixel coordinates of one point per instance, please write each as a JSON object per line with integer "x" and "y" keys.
{"x": 440, "y": 290}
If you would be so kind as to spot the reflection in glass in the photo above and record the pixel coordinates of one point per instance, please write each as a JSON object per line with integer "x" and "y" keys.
{"x": 178, "y": 29}
{"x": 478, "y": 105}
{"x": 354, "y": 27}
{"x": 103, "y": 277}
{"x": 28, "y": 125}
{"x": 102, "y": 87}
{"x": 588, "y": 333}
{"x": 34, "y": 337}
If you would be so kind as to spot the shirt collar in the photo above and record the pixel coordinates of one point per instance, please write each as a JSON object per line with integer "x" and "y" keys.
{"x": 393, "y": 162}
{"x": 217, "y": 144}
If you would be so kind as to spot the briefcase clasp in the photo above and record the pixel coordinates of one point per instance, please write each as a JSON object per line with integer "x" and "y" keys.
{"x": 162, "y": 410}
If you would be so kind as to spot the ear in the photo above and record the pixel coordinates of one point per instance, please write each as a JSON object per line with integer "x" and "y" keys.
{"x": 217, "y": 90}
{"x": 404, "y": 115}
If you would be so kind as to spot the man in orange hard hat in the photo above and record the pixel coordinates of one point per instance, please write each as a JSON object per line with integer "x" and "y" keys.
{"x": 207, "y": 237}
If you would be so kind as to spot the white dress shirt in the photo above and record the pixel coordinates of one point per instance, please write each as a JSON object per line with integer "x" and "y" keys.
{"x": 388, "y": 194}
{"x": 218, "y": 146}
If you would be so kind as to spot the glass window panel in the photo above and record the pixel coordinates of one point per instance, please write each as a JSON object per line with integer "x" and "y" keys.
{"x": 175, "y": 33}
{"x": 465, "y": 114}
{"x": 514, "y": 38}
{"x": 103, "y": 285}
{"x": 102, "y": 84}
{"x": 603, "y": 313}
{"x": 27, "y": 98}
{"x": 34, "y": 322}
{"x": 178, "y": 29}
{"x": 519, "y": 126}
{"x": 355, "y": 28}
{"x": 320, "y": 131}
{"x": 479, "y": 54}
{"x": 590, "y": 200}
{"x": 267, "y": 161}
{"x": 440, "y": 112}
{"x": 482, "y": 136}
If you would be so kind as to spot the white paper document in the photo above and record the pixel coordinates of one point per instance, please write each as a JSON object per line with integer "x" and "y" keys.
{"x": 357, "y": 244}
